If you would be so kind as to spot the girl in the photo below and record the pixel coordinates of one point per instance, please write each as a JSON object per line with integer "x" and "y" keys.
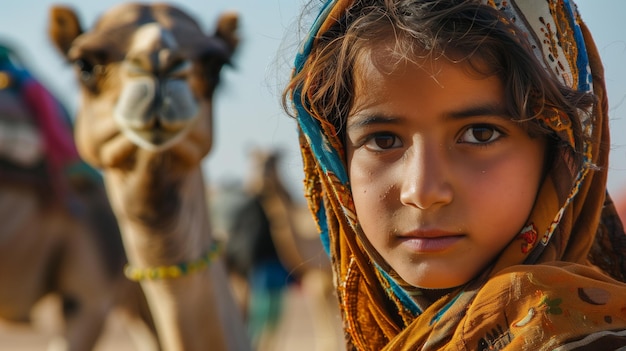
{"x": 455, "y": 158}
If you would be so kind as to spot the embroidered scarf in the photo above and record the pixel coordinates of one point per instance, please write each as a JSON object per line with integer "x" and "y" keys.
{"x": 556, "y": 286}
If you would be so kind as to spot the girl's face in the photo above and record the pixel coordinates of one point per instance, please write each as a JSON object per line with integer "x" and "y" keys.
{"x": 442, "y": 179}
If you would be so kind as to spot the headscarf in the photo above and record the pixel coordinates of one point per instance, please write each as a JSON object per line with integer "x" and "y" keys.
{"x": 556, "y": 286}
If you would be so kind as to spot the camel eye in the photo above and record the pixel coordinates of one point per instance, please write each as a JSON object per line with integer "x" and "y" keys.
{"x": 85, "y": 68}
{"x": 88, "y": 72}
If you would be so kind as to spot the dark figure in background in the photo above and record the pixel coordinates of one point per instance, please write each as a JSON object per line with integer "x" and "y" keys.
{"x": 257, "y": 272}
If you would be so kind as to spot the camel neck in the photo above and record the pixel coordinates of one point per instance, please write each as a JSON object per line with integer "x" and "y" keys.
{"x": 161, "y": 218}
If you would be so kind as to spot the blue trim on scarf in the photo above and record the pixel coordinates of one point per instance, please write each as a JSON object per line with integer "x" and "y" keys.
{"x": 329, "y": 158}
{"x": 324, "y": 236}
{"x": 582, "y": 59}
{"x": 406, "y": 300}
{"x": 305, "y": 50}
{"x": 445, "y": 308}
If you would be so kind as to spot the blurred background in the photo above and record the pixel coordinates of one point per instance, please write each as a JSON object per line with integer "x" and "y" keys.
{"x": 247, "y": 112}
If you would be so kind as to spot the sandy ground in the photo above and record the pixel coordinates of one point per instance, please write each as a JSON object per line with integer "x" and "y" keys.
{"x": 294, "y": 332}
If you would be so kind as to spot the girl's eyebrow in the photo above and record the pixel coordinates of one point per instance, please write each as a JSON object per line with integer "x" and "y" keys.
{"x": 487, "y": 109}
{"x": 363, "y": 120}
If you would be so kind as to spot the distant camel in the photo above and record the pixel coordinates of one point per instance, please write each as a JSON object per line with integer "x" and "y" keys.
{"x": 147, "y": 74}
{"x": 58, "y": 234}
{"x": 272, "y": 243}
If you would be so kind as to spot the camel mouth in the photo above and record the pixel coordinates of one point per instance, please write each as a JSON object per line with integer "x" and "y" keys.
{"x": 157, "y": 137}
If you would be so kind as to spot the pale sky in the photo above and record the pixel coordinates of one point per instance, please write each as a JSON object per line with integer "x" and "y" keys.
{"x": 247, "y": 110}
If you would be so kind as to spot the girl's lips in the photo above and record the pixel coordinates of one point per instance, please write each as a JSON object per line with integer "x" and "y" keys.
{"x": 429, "y": 244}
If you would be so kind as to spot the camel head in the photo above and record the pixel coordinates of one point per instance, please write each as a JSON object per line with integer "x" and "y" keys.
{"x": 147, "y": 75}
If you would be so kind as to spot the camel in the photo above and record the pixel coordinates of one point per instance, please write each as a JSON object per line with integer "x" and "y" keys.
{"x": 59, "y": 238}
{"x": 147, "y": 75}
{"x": 271, "y": 235}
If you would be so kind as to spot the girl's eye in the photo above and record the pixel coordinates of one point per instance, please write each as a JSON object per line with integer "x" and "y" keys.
{"x": 383, "y": 142}
{"x": 480, "y": 134}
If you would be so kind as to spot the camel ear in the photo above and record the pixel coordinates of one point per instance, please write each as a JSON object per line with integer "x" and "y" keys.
{"x": 63, "y": 28}
{"x": 227, "y": 26}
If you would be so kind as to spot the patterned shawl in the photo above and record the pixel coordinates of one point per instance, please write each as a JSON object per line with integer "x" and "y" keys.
{"x": 546, "y": 290}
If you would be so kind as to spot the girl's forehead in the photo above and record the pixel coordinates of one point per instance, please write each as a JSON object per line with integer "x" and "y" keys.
{"x": 379, "y": 82}
{"x": 385, "y": 58}
{"x": 383, "y": 61}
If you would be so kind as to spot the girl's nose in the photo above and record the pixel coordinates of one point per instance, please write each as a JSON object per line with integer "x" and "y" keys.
{"x": 426, "y": 182}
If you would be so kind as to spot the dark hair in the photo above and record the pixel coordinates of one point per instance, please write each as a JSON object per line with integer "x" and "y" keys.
{"x": 455, "y": 29}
